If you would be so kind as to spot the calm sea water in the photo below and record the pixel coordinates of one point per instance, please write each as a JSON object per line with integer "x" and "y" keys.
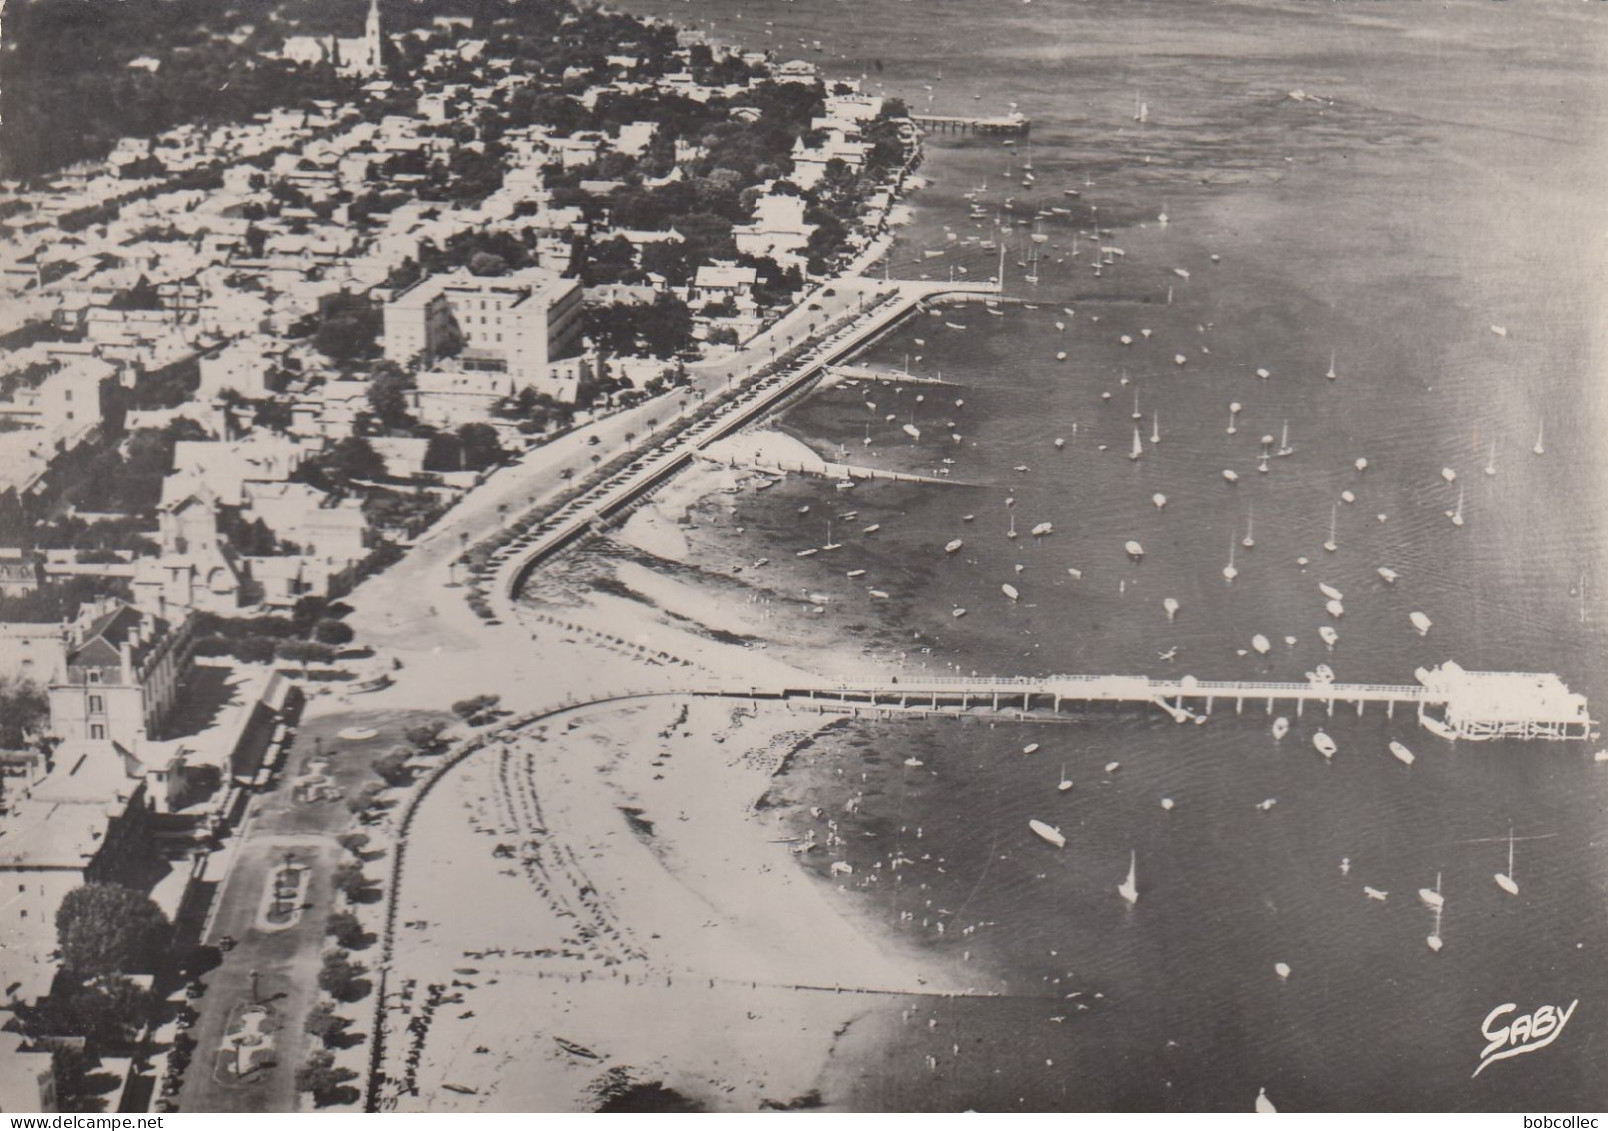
{"x": 1435, "y": 179}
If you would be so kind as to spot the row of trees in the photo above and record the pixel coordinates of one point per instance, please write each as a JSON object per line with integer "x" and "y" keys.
{"x": 342, "y": 977}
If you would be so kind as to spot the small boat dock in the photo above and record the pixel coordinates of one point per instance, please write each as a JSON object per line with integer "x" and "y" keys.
{"x": 892, "y": 376}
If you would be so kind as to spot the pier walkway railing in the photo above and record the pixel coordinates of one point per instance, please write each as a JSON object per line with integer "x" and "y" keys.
{"x": 1466, "y": 712}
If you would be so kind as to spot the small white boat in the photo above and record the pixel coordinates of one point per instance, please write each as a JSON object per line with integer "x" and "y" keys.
{"x": 1167, "y": 804}
{"x": 914, "y": 763}
{"x": 1048, "y": 832}
{"x": 1112, "y": 767}
{"x": 1281, "y": 727}
{"x": 1179, "y": 359}
{"x": 1230, "y": 476}
{"x": 1159, "y": 500}
{"x": 1361, "y": 463}
{"x": 1138, "y": 448}
{"x": 873, "y": 528}
{"x": 1334, "y": 515}
{"x": 1135, "y": 550}
{"x": 1229, "y": 572}
{"x": 1129, "y": 888}
{"x": 1042, "y": 529}
{"x": 1325, "y": 744}
{"x": 1388, "y": 575}
{"x": 807, "y": 553}
{"x": 1074, "y": 573}
{"x": 967, "y": 517}
{"x": 1282, "y": 969}
{"x": 1330, "y": 592}
{"x": 1264, "y": 1106}
{"x": 953, "y": 547}
{"x": 805, "y": 509}
{"x": 1420, "y": 622}
{"x": 1504, "y": 880}
{"x": 1170, "y": 604}
{"x": 1457, "y": 515}
{"x": 1180, "y": 272}
{"x": 957, "y": 613}
{"x": 1261, "y": 644}
{"x": 856, "y": 573}
{"x": 912, "y": 431}
{"x": 1263, "y": 374}
{"x": 1433, "y": 897}
{"x": 1060, "y": 355}
{"x": 1126, "y": 340}
{"x": 1267, "y": 803}
{"x": 1449, "y": 475}
{"x": 1403, "y": 755}
{"x": 1059, "y": 442}
{"x": 1375, "y": 893}
{"x": 1347, "y": 497}
{"x": 1335, "y": 608}
{"x": 1065, "y": 783}
{"x": 1328, "y": 635}
{"x": 879, "y": 594}
{"x": 1284, "y": 442}
{"x": 1499, "y": 331}
{"x": 1031, "y": 748}
{"x": 1009, "y": 591}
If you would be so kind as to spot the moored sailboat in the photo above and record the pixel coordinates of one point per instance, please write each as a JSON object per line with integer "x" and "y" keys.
{"x": 1129, "y": 888}
{"x": 1504, "y": 880}
{"x": 1432, "y": 897}
{"x": 1048, "y": 832}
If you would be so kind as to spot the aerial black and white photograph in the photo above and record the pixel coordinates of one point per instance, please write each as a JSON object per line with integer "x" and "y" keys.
{"x": 749, "y": 556}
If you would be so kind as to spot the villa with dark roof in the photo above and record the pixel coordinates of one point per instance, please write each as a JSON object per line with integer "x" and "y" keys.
{"x": 123, "y": 673}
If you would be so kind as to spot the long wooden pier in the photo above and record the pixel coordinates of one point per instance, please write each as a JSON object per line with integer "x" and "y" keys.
{"x": 1473, "y": 705}
{"x": 1012, "y": 124}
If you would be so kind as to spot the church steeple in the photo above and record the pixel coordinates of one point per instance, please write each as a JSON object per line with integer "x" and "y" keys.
{"x": 372, "y": 37}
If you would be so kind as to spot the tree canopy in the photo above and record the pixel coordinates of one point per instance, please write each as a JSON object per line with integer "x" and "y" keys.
{"x": 104, "y": 929}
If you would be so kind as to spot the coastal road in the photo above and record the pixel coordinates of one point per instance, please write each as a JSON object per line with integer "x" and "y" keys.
{"x": 414, "y": 608}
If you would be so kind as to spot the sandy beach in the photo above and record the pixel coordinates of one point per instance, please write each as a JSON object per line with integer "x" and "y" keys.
{"x": 627, "y": 865}
{"x": 652, "y": 915}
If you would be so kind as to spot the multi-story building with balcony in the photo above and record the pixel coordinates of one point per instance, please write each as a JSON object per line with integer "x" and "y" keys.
{"x": 517, "y": 324}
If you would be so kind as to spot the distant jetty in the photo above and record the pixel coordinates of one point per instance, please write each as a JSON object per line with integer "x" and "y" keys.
{"x": 1015, "y": 125}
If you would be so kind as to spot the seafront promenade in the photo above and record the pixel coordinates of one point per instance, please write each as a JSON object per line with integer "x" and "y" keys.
{"x": 885, "y": 304}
